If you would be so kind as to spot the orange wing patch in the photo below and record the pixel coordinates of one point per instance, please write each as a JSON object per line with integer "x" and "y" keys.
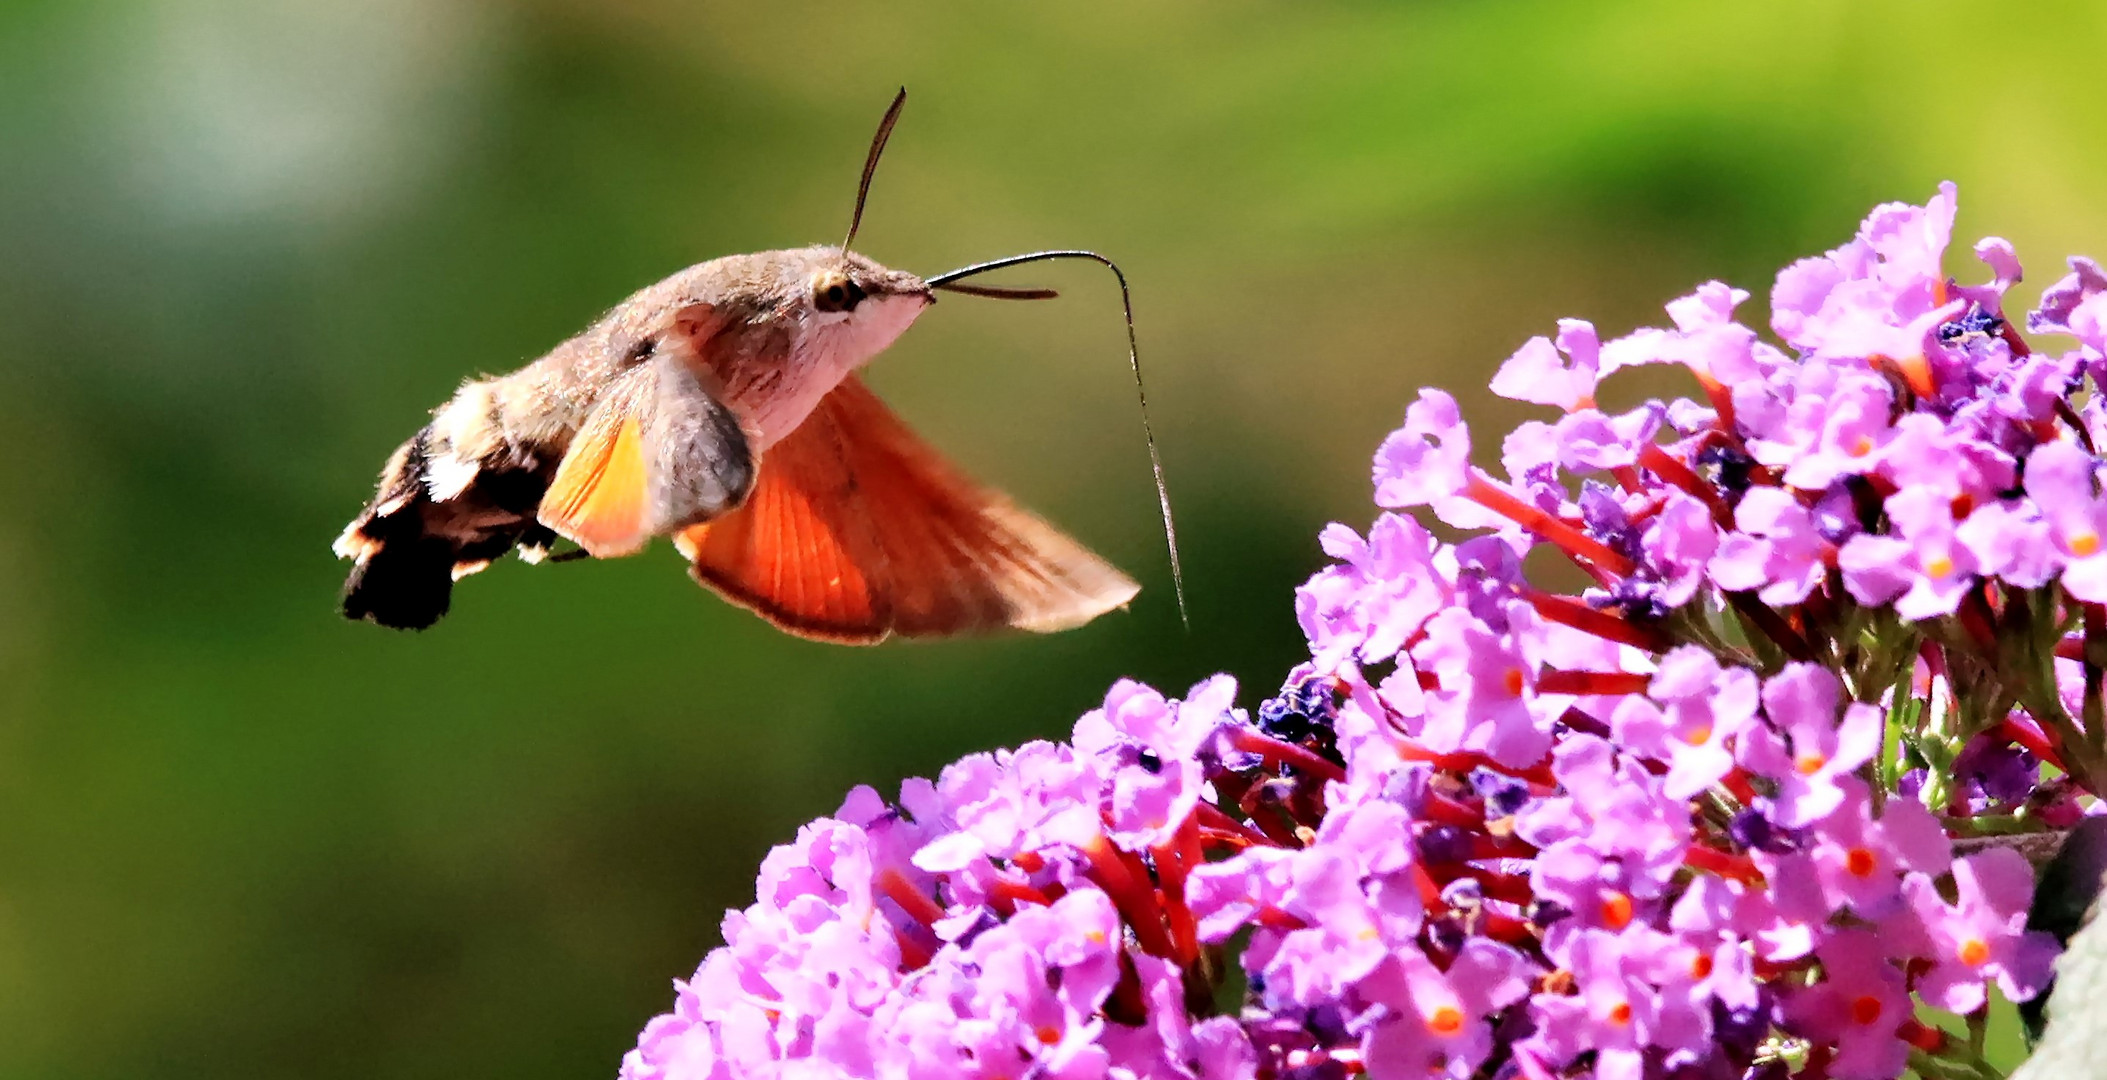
{"x": 598, "y": 499}
{"x": 857, "y": 529}
{"x": 786, "y": 553}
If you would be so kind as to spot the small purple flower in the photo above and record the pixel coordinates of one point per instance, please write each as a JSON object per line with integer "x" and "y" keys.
{"x": 1328, "y": 608}
{"x": 1839, "y": 304}
{"x": 1369, "y": 606}
{"x": 1434, "y": 1021}
{"x": 1831, "y": 435}
{"x": 1591, "y": 441}
{"x": 1706, "y": 340}
{"x": 1010, "y": 802}
{"x": 1610, "y": 844}
{"x": 1351, "y": 928}
{"x": 1484, "y": 701}
{"x": 1427, "y": 460}
{"x": 2060, "y": 481}
{"x": 2041, "y": 383}
{"x": 1704, "y": 708}
{"x": 2076, "y": 305}
{"x": 1488, "y": 577}
{"x": 1615, "y": 1013}
{"x": 1923, "y": 568}
{"x": 1775, "y": 549}
{"x": 1926, "y": 454}
{"x": 1148, "y": 751}
{"x": 1678, "y": 546}
{"x": 1860, "y": 860}
{"x": 1983, "y": 935}
{"x": 2011, "y": 541}
{"x": 1992, "y": 771}
{"x": 1858, "y": 1008}
{"x": 1536, "y": 374}
{"x": 1802, "y": 703}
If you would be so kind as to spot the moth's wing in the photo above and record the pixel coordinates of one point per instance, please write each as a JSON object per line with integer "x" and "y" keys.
{"x": 599, "y": 497}
{"x": 658, "y": 451}
{"x": 798, "y": 552}
{"x": 857, "y": 529}
{"x": 699, "y": 459}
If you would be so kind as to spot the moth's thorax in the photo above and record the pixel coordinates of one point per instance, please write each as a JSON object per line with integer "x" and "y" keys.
{"x": 777, "y": 377}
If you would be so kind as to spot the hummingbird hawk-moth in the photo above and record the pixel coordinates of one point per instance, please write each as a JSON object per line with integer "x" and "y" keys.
{"x": 721, "y": 407}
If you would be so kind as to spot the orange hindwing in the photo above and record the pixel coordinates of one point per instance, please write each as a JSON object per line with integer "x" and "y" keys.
{"x": 856, "y": 529}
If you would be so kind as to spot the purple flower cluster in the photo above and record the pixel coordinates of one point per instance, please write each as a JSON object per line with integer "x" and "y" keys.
{"x": 1696, "y": 820}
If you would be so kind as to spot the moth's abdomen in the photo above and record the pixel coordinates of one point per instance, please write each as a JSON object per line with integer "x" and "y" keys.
{"x": 411, "y": 546}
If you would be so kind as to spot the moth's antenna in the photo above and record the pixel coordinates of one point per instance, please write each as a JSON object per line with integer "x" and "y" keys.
{"x": 870, "y": 165}
{"x": 1163, "y": 496}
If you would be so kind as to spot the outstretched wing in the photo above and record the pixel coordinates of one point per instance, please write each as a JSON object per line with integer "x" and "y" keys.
{"x": 658, "y": 452}
{"x": 857, "y": 530}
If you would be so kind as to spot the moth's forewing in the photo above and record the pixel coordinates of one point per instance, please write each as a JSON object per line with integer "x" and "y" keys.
{"x": 701, "y": 461}
{"x": 658, "y": 451}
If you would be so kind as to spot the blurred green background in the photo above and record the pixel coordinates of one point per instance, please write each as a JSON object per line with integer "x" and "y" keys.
{"x": 245, "y": 244}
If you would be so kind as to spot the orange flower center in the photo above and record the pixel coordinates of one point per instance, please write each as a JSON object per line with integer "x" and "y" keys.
{"x": 1973, "y": 952}
{"x": 1616, "y": 910}
{"x": 1701, "y": 967}
{"x": 1446, "y": 1020}
{"x": 1514, "y": 680}
{"x": 1865, "y": 1009}
{"x": 1699, "y": 735}
{"x": 1860, "y": 862}
{"x": 2085, "y": 543}
{"x": 1048, "y": 1034}
{"x": 1863, "y": 446}
{"x": 1621, "y": 1014}
{"x": 1810, "y": 763}
{"x": 1938, "y": 567}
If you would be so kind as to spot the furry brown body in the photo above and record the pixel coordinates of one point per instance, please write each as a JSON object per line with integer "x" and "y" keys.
{"x": 719, "y": 406}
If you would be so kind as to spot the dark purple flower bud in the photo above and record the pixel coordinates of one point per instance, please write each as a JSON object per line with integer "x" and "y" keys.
{"x": 1328, "y": 1024}
{"x": 1447, "y": 933}
{"x": 1999, "y": 773}
{"x": 1408, "y": 787}
{"x": 1752, "y": 830}
{"x": 1325, "y": 1069}
{"x": 984, "y": 920}
{"x": 1606, "y": 518}
{"x": 1740, "y": 1029}
{"x": 1726, "y": 467}
{"x": 1445, "y": 844}
{"x": 1637, "y": 597}
{"x": 1302, "y": 713}
{"x": 1318, "y": 700}
{"x": 1975, "y": 323}
{"x": 1504, "y": 795}
{"x": 1836, "y": 513}
{"x": 1543, "y": 913}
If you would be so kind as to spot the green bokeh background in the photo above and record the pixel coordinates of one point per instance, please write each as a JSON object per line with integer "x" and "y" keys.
{"x": 245, "y": 244}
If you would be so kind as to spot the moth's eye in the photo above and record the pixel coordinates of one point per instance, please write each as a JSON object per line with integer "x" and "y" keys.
{"x": 833, "y": 291}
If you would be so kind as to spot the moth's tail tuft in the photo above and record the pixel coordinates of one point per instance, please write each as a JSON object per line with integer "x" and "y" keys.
{"x": 404, "y": 582}
{"x": 441, "y": 514}
{"x": 404, "y": 577}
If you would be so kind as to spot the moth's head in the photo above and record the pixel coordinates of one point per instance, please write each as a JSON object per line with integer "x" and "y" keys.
{"x": 849, "y": 299}
{"x": 842, "y": 283}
